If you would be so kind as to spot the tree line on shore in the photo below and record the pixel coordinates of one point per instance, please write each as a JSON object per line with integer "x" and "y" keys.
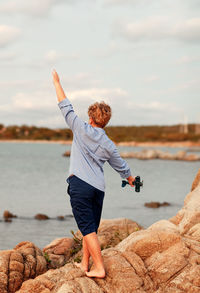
{"x": 116, "y": 133}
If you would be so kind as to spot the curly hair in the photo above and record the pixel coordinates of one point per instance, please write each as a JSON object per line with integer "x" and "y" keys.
{"x": 100, "y": 113}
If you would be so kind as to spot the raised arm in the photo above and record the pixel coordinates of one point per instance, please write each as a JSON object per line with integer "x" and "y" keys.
{"x": 121, "y": 166}
{"x": 59, "y": 90}
{"x": 72, "y": 120}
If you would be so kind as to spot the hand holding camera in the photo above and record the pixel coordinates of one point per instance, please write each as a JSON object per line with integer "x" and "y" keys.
{"x": 137, "y": 183}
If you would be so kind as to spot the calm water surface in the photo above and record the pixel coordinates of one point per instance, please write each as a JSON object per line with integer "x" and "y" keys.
{"x": 33, "y": 178}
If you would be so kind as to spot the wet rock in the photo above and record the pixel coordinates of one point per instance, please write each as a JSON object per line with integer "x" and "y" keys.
{"x": 156, "y": 204}
{"x": 7, "y": 215}
{"x": 67, "y": 154}
{"x": 61, "y": 218}
{"x": 41, "y": 217}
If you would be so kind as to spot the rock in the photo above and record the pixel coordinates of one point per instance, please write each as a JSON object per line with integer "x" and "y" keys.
{"x": 112, "y": 231}
{"x": 180, "y": 155}
{"x": 163, "y": 266}
{"x": 25, "y": 261}
{"x": 41, "y": 217}
{"x": 8, "y": 215}
{"x": 189, "y": 215}
{"x": 194, "y": 232}
{"x": 150, "y": 154}
{"x": 67, "y": 154}
{"x": 61, "y": 218}
{"x": 156, "y": 204}
{"x": 59, "y": 251}
{"x": 165, "y": 155}
{"x": 196, "y": 181}
{"x": 191, "y": 158}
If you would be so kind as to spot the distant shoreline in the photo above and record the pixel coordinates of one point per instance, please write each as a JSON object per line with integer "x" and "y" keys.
{"x": 129, "y": 143}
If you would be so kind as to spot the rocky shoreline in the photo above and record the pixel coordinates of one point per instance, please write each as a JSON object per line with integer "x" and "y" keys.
{"x": 173, "y": 144}
{"x": 165, "y": 258}
{"x": 152, "y": 154}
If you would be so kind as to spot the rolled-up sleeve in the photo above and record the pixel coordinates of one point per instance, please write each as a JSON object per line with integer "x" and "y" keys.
{"x": 72, "y": 120}
{"x": 119, "y": 164}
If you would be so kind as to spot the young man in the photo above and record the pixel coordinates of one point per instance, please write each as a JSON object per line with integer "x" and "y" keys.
{"x": 91, "y": 148}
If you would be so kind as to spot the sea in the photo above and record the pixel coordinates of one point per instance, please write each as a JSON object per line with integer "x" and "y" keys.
{"x": 33, "y": 180}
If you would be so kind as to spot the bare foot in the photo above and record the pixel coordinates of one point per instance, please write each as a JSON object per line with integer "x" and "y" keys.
{"x": 81, "y": 266}
{"x": 96, "y": 273}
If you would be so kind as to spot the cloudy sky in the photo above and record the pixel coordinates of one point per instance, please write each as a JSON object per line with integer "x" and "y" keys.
{"x": 140, "y": 56}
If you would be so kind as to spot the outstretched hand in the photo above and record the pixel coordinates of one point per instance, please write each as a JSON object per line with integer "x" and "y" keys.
{"x": 56, "y": 78}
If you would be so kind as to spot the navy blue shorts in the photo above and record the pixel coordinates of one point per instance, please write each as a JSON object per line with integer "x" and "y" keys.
{"x": 87, "y": 203}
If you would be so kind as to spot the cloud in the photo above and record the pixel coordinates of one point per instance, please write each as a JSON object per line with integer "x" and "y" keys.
{"x": 6, "y": 57}
{"x": 152, "y": 78}
{"x": 39, "y": 107}
{"x": 187, "y": 59}
{"x": 116, "y": 2}
{"x": 107, "y": 51}
{"x": 52, "y": 56}
{"x": 45, "y": 99}
{"x": 33, "y": 8}
{"x": 158, "y": 28}
{"x": 98, "y": 94}
{"x": 154, "y": 106}
{"x": 38, "y": 100}
{"x": 8, "y": 35}
{"x": 188, "y": 30}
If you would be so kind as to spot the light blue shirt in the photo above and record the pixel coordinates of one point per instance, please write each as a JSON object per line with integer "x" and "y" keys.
{"x": 91, "y": 148}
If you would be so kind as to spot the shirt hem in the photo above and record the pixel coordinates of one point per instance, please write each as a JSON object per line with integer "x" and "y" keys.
{"x": 89, "y": 182}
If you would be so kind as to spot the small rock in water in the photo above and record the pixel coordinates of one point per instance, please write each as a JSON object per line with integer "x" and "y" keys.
{"x": 66, "y": 154}
{"x": 7, "y": 215}
{"x": 61, "y": 218}
{"x": 41, "y": 217}
{"x": 156, "y": 204}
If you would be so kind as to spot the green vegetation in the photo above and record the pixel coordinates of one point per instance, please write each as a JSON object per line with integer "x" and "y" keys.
{"x": 77, "y": 246}
{"x": 46, "y": 256}
{"x": 116, "y": 133}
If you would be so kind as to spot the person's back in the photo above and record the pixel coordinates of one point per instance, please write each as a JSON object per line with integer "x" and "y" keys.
{"x": 91, "y": 148}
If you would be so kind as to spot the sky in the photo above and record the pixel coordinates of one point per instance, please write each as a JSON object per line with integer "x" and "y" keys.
{"x": 140, "y": 56}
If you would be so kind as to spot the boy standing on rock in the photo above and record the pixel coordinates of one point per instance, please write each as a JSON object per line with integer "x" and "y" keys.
{"x": 91, "y": 148}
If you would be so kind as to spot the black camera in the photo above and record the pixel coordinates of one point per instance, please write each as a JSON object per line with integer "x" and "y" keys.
{"x": 136, "y": 182}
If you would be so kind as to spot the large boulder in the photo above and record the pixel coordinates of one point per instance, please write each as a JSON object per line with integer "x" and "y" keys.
{"x": 59, "y": 251}
{"x": 196, "y": 181}
{"x": 25, "y": 261}
{"x": 189, "y": 215}
{"x": 113, "y": 231}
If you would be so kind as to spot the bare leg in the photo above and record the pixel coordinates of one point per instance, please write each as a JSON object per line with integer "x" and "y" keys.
{"x": 93, "y": 246}
{"x": 85, "y": 260}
